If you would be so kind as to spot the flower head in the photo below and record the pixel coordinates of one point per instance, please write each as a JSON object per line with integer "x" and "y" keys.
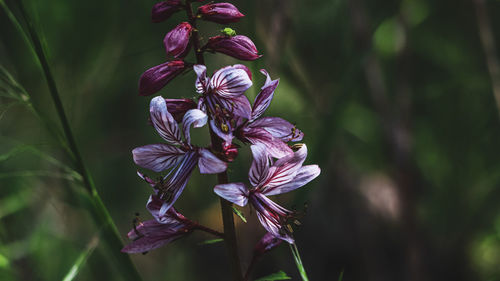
{"x": 268, "y": 177}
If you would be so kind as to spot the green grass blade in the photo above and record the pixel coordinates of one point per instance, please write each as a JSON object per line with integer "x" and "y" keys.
{"x": 280, "y": 275}
{"x": 211, "y": 241}
{"x": 82, "y": 258}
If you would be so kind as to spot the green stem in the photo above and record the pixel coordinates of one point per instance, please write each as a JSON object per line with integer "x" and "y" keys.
{"x": 98, "y": 211}
{"x": 298, "y": 262}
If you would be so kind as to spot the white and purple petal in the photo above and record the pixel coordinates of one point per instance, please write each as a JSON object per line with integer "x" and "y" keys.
{"x": 157, "y": 157}
{"x": 303, "y": 177}
{"x": 230, "y": 82}
{"x": 272, "y": 216}
{"x": 263, "y": 99}
{"x": 163, "y": 121}
{"x": 259, "y": 171}
{"x": 279, "y": 128}
{"x": 284, "y": 170}
{"x": 276, "y": 147}
{"x": 194, "y": 117}
{"x": 236, "y": 193}
{"x": 209, "y": 163}
{"x": 201, "y": 78}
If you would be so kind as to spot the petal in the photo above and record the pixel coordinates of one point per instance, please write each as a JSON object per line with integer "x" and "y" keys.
{"x": 236, "y": 193}
{"x": 238, "y": 106}
{"x": 157, "y": 157}
{"x": 265, "y": 96}
{"x": 194, "y": 117}
{"x": 275, "y": 147}
{"x": 201, "y": 78}
{"x": 158, "y": 76}
{"x": 271, "y": 216}
{"x": 209, "y": 163}
{"x": 279, "y": 128}
{"x": 147, "y": 179}
{"x": 146, "y": 244}
{"x": 266, "y": 244}
{"x": 230, "y": 82}
{"x": 178, "y": 107}
{"x": 284, "y": 170}
{"x": 259, "y": 171}
{"x": 303, "y": 177}
{"x": 163, "y": 121}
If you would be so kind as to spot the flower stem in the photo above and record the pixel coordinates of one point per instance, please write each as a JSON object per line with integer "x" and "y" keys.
{"x": 298, "y": 262}
{"x": 99, "y": 210}
{"x": 226, "y": 210}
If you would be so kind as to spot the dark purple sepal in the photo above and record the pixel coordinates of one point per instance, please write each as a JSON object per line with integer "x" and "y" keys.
{"x": 158, "y": 76}
{"x": 177, "y": 40}
{"x": 266, "y": 244}
{"x": 163, "y": 10}
{"x": 239, "y": 46}
{"x": 179, "y": 107}
{"x": 220, "y": 13}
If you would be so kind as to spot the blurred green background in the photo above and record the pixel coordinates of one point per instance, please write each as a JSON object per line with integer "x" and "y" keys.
{"x": 395, "y": 98}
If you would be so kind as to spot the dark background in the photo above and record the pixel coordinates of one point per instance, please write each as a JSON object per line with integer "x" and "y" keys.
{"x": 395, "y": 98}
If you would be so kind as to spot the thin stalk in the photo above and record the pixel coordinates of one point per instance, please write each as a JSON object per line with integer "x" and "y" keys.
{"x": 226, "y": 206}
{"x": 298, "y": 262}
{"x": 99, "y": 211}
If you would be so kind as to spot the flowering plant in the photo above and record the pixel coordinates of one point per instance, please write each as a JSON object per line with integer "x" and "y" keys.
{"x": 277, "y": 167}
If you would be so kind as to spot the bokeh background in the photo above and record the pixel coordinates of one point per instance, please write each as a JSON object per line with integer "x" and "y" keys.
{"x": 396, "y": 98}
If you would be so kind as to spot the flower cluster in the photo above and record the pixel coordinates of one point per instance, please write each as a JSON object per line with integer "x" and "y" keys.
{"x": 221, "y": 102}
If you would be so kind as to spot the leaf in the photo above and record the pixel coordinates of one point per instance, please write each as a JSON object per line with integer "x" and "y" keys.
{"x": 211, "y": 241}
{"x": 239, "y": 214}
{"x": 82, "y": 258}
{"x": 4, "y": 262}
{"x": 280, "y": 275}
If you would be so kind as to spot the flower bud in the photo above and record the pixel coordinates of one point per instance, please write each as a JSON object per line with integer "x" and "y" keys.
{"x": 163, "y": 10}
{"x": 239, "y": 46}
{"x": 220, "y": 13}
{"x": 230, "y": 152}
{"x": 177, "y": 40}
{"x": 158, "y": 76}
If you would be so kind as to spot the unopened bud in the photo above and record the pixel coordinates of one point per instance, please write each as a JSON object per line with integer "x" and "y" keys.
{"x": 157, "y": 77}
{"x": 177, "y": 40}
{"x": 239, "y": 46}
{"x": 179, "y": 107}
{"x": 220, "y": 13}
{"x": 163, "y": 10}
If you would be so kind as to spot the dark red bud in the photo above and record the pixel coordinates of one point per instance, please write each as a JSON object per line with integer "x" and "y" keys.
{"x": 230, "y": 152}
{"x": 163, "y": 10}
{"x": 177, "y": 40}
{"x": 179, "y": 107}
{"x": 158, "y": 76}
{"x": 220, "y": 13}
{"x": 239, "y": 46}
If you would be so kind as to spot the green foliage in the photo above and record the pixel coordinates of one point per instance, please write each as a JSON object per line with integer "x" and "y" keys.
{"x": 239, "y": 214}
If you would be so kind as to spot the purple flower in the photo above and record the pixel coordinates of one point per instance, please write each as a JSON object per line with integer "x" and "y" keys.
{"x": 271, "y": 178}
{"x": 274, "y": 132}
{"x": 177, "y": 40}
{"x": 177, "y": 155}
{"x": 157, "y": 77}
{"x": 220, "y": 13}
{"x": 239, "y": 46}
{"x": 223, "y": 94}
{"x": 153, "y": 234}
{"x": 163, "y": 10}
